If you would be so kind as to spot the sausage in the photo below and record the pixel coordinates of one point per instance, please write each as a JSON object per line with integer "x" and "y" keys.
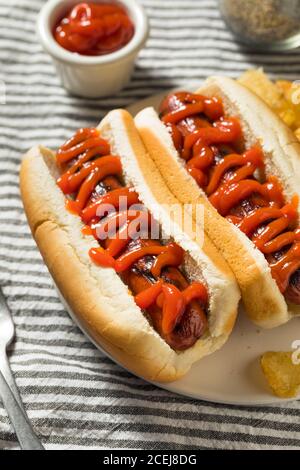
{"x": 188, "y": 125}
{"x": 107, "y": 184}
{"x": 193, "y": 322}
{"x": 139, "y": 278}
{"x": 255, "y": 201}
{"x": 292, "y": 294}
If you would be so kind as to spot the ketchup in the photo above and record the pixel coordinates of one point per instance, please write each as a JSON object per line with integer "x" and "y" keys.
{"x": 94, "y": 29}
{"x": 85, "y": 162}
{"x": 200, "y": 132}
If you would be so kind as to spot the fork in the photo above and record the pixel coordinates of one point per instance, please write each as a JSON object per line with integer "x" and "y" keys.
{"x": 8, "y": 389}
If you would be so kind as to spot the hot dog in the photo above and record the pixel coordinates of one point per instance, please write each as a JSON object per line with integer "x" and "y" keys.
{"x": 223, "y": 147}
{"x": 157, "y": 304}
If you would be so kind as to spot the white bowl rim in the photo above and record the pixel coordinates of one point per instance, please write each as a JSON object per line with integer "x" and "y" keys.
{"x": 58, "y": 52}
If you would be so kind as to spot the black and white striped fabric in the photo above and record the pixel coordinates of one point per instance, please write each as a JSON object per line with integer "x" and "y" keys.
{"x": 76, "y": 397}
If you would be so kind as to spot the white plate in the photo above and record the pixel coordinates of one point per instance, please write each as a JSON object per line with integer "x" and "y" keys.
{"x": 232, "y": 375}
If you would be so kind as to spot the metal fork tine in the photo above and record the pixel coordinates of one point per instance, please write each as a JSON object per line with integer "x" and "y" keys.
{"x": 8, "y": 388}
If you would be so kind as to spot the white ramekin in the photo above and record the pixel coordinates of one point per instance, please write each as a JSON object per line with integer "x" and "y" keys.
{"x": 92, "y": 76}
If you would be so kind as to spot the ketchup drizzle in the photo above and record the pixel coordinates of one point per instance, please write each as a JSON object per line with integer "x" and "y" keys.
{"x": 229, "y": 180}
{"x": 85, "y": 160}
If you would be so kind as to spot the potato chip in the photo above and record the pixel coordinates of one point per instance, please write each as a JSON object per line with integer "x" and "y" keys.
{"x": 289, "y": 117}
{"x": 285, "y": 86}
{"x": 282, "y": 96}
{"x": 282, "y": 373}
{"x": 297, "y": 133}
{"x": 260, "y": 84}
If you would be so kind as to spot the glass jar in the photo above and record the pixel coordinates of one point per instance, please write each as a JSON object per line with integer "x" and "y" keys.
{"x": 264, "y": 24}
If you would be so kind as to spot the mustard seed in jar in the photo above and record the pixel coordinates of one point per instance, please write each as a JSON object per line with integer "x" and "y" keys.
{"x": 267, "y": 24}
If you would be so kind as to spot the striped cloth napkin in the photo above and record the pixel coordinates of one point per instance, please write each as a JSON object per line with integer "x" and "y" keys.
{"x": 76, "y": 397}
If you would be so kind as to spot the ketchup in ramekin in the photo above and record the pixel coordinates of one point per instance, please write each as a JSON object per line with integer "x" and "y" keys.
{"x": 94, "y": 29}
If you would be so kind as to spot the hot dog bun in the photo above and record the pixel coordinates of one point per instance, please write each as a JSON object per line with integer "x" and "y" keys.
{"x": 263, "y": 300}
{"x": 97, "y": 296}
